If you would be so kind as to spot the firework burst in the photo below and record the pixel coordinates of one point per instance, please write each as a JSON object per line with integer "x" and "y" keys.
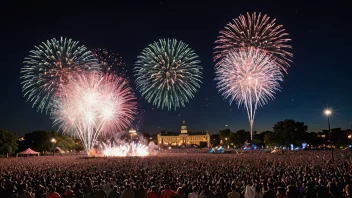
{"x": 255, "y": 31}
{"x": 168, "y": 73}
{"x": 93, "y": 105}
{"x": 110, "y": 62}
{"x": 49, "y": 66}
{"x": 249, "y": 77}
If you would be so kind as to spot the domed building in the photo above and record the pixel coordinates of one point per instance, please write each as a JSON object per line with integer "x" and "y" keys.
{"x": 183, "y": 138}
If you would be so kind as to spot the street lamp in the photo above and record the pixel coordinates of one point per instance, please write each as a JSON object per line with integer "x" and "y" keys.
{"x": 350, "y": 137}
{"x": 53, "y": 141}
{"x": 328, "y": 112}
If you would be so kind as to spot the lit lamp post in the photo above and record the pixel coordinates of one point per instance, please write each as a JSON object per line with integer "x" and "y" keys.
{"x": 350, "y": 137}
{"x": 132, "y": 133}
{"x": 328, "y": 113}
{"x": 53, "y": 141}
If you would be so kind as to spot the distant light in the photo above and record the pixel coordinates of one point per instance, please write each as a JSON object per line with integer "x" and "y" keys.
{"x": 132, "y": 131}
{"x": 327, "y": 112}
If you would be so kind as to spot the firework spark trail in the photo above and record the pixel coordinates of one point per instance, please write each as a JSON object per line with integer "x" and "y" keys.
{"x": 110, "y": 62}
{"x": 249, "y": 77}
{"x": 93, "y": 105}
{"x": 49, "y": 66}
{"x": 255, "y": 31}
{"x": 139, "y": 117}
{"x": 168, "y": 73}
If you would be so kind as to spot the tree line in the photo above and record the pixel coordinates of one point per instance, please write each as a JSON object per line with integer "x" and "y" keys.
{"x": 41, "y": 141}
{"x": 284, "y": 133}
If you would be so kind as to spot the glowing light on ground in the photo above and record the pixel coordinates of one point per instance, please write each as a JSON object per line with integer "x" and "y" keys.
{"x": 126, "y": 149}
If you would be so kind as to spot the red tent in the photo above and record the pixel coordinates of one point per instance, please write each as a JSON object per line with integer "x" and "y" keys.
{"x": 27, "y": 152}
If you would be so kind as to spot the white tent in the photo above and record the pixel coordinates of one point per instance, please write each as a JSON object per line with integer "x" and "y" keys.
{"x": 60, "y": 150}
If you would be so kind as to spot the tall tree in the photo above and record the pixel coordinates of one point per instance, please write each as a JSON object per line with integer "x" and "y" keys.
{"x": 232, "y": 139}
{"x": 38, "y": 141}
{"x": 214, "y": 139}
{"x": 224, "y": 134}
{"x": 78, "y": 145}
{"x": 64, "y": 142}
{"x": 240, "y": 137}
{"x": 269, "y": 139}
{"x": 41, "y": 141}
{"x": 8, "y": 141}
{"x": 257, "y": 141}
{"x": 288, "y": 132}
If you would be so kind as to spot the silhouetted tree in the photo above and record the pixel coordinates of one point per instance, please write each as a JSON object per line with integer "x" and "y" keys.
{"x": 224, "y": 134}
{"x": 78, "y": 145}
{"x": 41, "y": 141}
{"x": 203, "y": 144}
{"x": 8, "y": 141}
{"x": 257, "y": 141}
{"x": 288, "y": 132}
{"x": 269, "y": 139}
{"x": 214, "y": 139}
{"x": 240, "y": 137}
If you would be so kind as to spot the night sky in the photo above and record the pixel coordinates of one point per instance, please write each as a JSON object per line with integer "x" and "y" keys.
{"x": 319, "y": 77}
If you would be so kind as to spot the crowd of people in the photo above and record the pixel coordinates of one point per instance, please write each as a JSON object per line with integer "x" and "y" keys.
{"x": 254, "y": 174}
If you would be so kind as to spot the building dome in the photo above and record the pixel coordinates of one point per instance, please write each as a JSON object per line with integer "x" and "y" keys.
{"x": 183, "y": 127}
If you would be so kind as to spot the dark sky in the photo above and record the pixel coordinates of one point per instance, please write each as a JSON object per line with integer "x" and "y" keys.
{"x": 319, "y": 77}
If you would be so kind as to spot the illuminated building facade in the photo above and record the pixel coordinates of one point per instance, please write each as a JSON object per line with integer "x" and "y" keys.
{"x": 183, "y": 138}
